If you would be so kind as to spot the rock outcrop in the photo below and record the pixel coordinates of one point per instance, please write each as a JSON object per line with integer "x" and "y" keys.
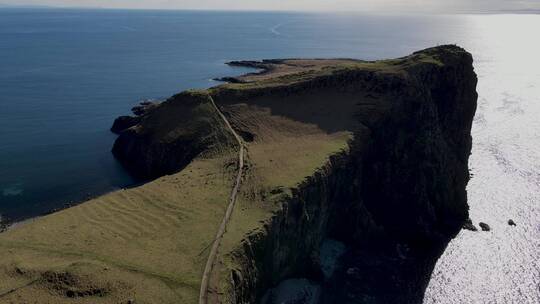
{"x": 178, "y": 130}
{"x": 125, "y": 122}
{"x": 3, "y": 224}
{"x": 468, "y": 225}
{"x": 484, "y": 226}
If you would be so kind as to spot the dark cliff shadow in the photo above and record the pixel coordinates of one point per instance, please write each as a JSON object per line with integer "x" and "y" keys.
{"x": 382, "y": 276}
{"x": 329, "y": 109}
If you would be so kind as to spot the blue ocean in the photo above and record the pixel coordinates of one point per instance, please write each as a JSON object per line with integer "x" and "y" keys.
{"x": 66, "y": 74}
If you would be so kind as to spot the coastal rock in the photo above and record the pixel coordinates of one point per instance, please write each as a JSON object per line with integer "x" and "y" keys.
{"x": 264, "y": 65}
{"x": 144, "y": 107}
{"x": 3, "y": 225}
{"x": 124, "y": 122}
{"x": 229, "y": 79}
{"x": 484, "y": 226}
{"x": 468, "y": 225}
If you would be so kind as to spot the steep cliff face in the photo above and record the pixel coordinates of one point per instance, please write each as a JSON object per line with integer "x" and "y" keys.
{"x": 287, "y": 246}
{"x": 399, "y": 190}
{"x": 417, "y": 163}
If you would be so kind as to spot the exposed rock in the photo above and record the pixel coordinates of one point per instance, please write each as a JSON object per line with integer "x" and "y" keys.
{"x": 124, "y": 122}
{"x": 263, "y": 65}
{"x": 229, "y": 79}
{"x": 468, "y": 225}
{"x": 71, "y": 286}
{"x": 144, "y": 107}
{"x": 511, "y": 222}
{"x": 3, "y": 224}
{"x": 484, "y": 226}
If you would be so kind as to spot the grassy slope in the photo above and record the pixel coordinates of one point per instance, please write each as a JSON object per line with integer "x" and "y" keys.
{"x": 153, "y": 238}
{"x": 282, "y": 165}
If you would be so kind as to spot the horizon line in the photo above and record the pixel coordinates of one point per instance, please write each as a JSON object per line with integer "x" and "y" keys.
{"x": 382, "y": 12}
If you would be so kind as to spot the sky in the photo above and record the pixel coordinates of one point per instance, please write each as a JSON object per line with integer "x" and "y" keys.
{"x": 441, "y": 6}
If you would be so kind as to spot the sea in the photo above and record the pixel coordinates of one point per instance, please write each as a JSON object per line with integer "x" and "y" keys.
{"x": 65, "y": 74}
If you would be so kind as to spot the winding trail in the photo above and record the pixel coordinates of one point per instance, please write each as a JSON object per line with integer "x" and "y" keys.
{"x": 203, "y": 294}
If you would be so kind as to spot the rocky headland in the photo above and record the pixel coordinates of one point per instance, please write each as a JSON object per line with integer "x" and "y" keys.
{"x": 371, "y": 154}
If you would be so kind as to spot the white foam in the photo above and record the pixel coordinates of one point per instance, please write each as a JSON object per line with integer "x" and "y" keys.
{"x": 275, "y": 28}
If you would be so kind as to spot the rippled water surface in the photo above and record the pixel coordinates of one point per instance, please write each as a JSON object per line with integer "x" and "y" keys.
{"x": 503, "y": 265}
{"x": 66, "y": 74}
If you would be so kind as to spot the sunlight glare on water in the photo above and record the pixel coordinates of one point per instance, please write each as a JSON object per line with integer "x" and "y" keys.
{"x": 500, "y": 266}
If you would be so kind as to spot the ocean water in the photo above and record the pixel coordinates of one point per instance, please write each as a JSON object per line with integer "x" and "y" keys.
{"x": 66, "y": 74}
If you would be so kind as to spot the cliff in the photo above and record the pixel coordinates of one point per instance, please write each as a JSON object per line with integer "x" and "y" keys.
{"x": 373, "y": 154}
{"x": 400, "y": 184}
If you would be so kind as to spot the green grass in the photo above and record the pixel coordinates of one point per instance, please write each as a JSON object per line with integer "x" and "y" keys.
{"x": 158, "y": 231}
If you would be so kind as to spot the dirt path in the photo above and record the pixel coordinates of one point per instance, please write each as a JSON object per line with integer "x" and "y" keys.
{"x": 203, "y": 295}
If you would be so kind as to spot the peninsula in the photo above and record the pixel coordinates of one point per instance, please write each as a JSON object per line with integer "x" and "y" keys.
{"x": 245, "y": 181}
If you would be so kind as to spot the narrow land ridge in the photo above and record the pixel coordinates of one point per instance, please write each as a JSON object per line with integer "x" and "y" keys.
{"x": 203, "y": 295}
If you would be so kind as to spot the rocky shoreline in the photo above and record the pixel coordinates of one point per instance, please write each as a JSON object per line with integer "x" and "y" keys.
{"x": 263, "y": 67}
{"x": 125, "y": 122}
{"x": 3, "y": 224}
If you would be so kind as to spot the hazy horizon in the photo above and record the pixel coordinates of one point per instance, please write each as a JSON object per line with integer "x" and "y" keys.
{"x": 384, "y": 6}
